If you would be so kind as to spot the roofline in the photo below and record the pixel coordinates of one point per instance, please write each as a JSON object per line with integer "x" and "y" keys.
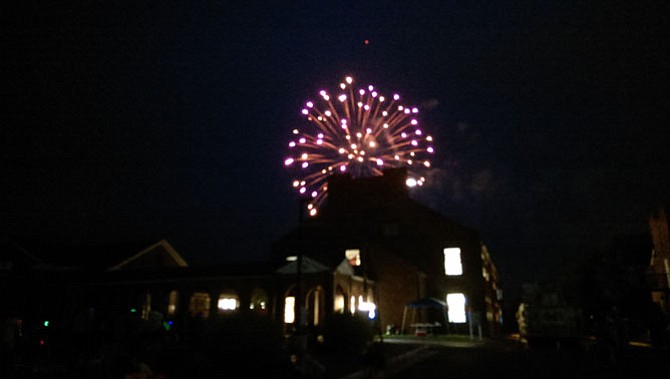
{"x": 22, "y": 249}
{"x": 173, "y": 253}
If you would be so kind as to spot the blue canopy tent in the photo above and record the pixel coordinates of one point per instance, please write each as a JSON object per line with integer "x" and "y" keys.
{"x": 426, "y": 302}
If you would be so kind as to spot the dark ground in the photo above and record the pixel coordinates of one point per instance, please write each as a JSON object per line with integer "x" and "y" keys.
{"x": 508, "y": 359}
{"x": 399, "y": 357}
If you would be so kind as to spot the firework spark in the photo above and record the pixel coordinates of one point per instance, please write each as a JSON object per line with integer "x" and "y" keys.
{"x": 355, "y": 130}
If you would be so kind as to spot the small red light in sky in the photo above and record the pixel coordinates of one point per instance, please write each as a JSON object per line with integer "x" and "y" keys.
{"x": 367, "y": 42}
{"x": 41, "y": 342}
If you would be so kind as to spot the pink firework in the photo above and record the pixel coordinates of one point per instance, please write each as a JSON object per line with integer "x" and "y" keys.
{"x": 357, "y": 131}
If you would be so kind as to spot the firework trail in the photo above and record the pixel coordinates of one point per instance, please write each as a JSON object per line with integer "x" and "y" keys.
{"x": 357, "y": 131}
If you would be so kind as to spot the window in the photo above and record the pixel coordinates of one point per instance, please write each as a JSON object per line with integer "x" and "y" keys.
{"x": 456, "y": 304}
{"x": 259, "y": 300}
{"x": 199, "y": 305}
{"x": 452, "y": 261}
{"x": 339, "y": 300}
{"x": 353, "y": 256}
{"x": 289, "y": 310}
{"x": 227, "y": 302}
{"x": 172, "y": 303}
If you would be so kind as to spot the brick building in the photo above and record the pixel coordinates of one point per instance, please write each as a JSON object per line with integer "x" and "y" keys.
{"x": 400, "y": 251}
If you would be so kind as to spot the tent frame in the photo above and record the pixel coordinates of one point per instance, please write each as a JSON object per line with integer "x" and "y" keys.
{"x": 426, "y": 302}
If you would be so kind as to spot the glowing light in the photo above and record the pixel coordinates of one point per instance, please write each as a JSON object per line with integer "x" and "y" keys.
{"x": 337, "y": 132}
{"x": 369, "y": 307}
{"x": 452, "y": 261}
{"x": 289, "y": 310}
{"x": 456, "y": 303}
{"x": 227, "y": 303}
{"x": 411, "y": 182}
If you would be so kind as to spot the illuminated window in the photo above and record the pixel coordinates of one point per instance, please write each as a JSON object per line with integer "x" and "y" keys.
{"x": 353, "y": 256}
{"x": 172, "y": 303}
{"x": 289, "y": 309}
{"x": 340, "y": 297}
{"x": 352, "y": 305}
{"x": 227, "y": 302}
{"x": 456, "y": 304}
{"x": 315, "y": 296}
{"x": 452, "y": 261}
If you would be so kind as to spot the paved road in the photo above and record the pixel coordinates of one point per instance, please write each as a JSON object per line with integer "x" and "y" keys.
{"x": 510, "y": 360}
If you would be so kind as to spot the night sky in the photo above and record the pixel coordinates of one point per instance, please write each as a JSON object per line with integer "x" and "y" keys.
{"x": 127, "y": 121}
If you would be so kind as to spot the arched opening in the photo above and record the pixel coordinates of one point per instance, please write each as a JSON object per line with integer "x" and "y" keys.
{"x": 339, "y": 301}
{"x": 289, "y": 306}
{"x": 315, "y": 305}
{"x": 199, "y": 305}
{"x": 259, "y": 300}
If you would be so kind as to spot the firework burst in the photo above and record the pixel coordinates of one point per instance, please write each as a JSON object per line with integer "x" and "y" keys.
{"x": 359, "y": 131}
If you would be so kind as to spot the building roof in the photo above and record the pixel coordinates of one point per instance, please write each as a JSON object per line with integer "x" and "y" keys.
{"x": 47, "y": 255}
{"x": 308, "y": 266}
